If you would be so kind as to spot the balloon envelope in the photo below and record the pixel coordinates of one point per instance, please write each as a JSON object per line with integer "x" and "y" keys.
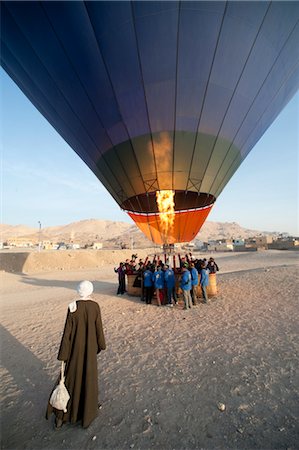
{"x": 156, "y": 95}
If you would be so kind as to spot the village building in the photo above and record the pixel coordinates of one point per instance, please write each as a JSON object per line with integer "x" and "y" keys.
{"x": 220, "y": 245}
{"x": 259, "y": 242}
{"x": 285, "y": 243}
{"x": 97, "y": 245}
{"x": 21, "y": 242}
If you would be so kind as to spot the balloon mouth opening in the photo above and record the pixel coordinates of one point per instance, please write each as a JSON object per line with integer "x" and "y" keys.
{"x": 183, "y": 201}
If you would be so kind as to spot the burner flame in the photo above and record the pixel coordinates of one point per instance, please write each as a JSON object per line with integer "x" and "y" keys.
{"x": 165, "y": 202}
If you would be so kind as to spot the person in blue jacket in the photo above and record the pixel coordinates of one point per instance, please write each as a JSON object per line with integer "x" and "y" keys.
{"x": 204, "y": 282}
{"x": 185, "y": 285}
{"x": 158, "y": 280}
{"x": 170, "y": 285}
{"x": 194, "y": 282}
{"x": 148, "y": 284}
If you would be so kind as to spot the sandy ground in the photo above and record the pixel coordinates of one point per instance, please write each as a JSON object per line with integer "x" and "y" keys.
{"x": 165, "y": 370}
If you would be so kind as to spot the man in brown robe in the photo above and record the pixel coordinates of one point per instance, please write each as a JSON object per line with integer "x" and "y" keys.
{"x": 83, "y": 338}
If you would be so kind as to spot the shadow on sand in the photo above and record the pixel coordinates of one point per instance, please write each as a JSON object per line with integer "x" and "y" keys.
{"x": 12, "y": 262}
{"x": 27, "y": 372}
{"x": 104, "y": 288}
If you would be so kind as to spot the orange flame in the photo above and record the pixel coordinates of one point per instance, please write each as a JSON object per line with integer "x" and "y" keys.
{"x": 165, "y": 202}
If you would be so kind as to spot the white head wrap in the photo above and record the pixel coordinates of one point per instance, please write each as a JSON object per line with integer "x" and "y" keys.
{"x": 85, "y": 289}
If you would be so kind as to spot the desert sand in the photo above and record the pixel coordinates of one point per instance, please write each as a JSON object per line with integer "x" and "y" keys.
{"x": 165, "y": 371}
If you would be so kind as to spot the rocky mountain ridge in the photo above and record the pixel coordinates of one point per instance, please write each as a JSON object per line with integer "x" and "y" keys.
{"x": 114, "y": 233}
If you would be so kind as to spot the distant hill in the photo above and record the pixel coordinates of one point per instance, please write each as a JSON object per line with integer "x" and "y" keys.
{"x": 115, "y": 234}
{"x": 226, "y": 230}
{"x": 8, "y": 231}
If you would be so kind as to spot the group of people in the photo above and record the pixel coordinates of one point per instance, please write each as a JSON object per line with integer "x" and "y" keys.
{"x": 159, "y": 279}
{"x": 129, "y": 267}
{"x": 83, "y": 337}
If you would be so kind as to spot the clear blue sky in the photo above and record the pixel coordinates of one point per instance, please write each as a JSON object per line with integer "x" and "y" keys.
{"x": 42, "y": 178}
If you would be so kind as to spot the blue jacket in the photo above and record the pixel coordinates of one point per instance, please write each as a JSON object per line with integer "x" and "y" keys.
{"x": 169, "y": 278}
{"x": 194, "y": 276}
{"x": 147, "y": 278}
{"x": 185, "y": 282}
{"x": 204, "y": 277}
{"x": 158, "y": 279}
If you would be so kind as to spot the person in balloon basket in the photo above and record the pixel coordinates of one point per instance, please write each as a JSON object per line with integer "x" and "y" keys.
{"x": 212, "y": 266}
{"x": 148, "y": 284}
{"x": 204, "y": 282}
{"x": 82, "y": 340}
{"x": 158, "y": 280}
{"x": 185, "y": 285}
{"x": 170, "y": 285}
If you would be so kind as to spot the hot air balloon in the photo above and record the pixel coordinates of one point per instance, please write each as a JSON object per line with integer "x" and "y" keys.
{"x": 163, "y": 100}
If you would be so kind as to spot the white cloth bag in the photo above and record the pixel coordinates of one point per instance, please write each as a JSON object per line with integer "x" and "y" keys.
{"x": 60, "y": 396}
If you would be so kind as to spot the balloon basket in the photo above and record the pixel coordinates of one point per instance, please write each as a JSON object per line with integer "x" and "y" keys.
{"x": 211, "y": 288}
{"x": 135, "y": 291}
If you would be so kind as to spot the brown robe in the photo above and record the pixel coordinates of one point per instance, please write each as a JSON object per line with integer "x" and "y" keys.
{"x": 83, "y": 338}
